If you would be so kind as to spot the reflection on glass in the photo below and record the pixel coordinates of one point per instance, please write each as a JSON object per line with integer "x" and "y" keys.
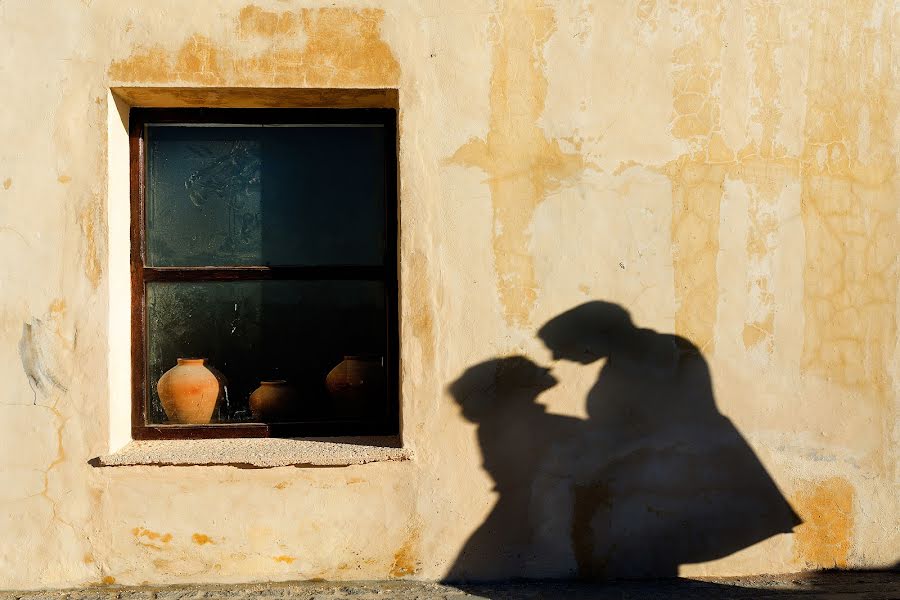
{"x": 278, "y": 340}
{"x": 265, "y": 195}
{"x": 275, "y": 400}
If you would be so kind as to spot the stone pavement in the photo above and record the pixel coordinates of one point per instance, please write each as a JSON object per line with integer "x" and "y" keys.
{"x": 825, "y": 586}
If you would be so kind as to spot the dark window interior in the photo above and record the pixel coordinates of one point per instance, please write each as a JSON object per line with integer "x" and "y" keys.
{"x": 264, "y": 242}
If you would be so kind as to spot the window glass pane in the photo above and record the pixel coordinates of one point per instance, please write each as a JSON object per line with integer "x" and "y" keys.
{"x": 295, "y": 332}
{"x": 265, "y": 195}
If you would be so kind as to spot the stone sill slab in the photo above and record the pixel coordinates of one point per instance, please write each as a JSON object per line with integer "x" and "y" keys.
{"x": 255, "y": 453}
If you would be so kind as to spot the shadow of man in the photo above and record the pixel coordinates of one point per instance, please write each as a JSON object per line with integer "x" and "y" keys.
{"x": 660, "y": 477}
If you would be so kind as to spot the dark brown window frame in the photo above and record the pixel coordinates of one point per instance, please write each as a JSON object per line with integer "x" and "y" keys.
{"x": 389, "y": 425}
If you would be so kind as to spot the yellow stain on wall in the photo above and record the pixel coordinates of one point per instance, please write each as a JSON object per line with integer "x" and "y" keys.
{"x": 697, "y": 194}
{"x": 523, "y": 166}
{"x": 201, "y": 539}
{"x": 421, "y": 319}
{"x": 823, "y": 540}
{"x": 405, "y": 562}
{"x": 150, "y": 539}
{"x": 255, "y": 21}
{"x": 646, "y": 11}
{"x": 88, "y": 219}
{"x": 698, "y": 177}
{"x": 849, "y": 209}
{"x": 341, "y": 48}
{"x": 765, "y": 174}
{"x": 761, "y": 332}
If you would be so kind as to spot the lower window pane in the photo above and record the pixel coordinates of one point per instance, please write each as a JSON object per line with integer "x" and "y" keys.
{"x": 273, "y": 352}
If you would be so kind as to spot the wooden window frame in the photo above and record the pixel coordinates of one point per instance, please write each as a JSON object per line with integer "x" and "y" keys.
{"x": 141, "y": 274}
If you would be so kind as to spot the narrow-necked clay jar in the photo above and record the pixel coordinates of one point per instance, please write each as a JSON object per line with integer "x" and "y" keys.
{"x": 273, "y": 400}
{"x": 188, "y": 392}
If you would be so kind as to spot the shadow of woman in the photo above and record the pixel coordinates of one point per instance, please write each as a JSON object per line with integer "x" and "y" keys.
{"x": 660, "y": 477}
{"x": 516, "y": 434}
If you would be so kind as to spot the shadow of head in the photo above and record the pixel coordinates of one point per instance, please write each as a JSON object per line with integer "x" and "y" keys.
{"x": 511, "y": 382}
{"x": 599, "y": 329}
{"x": 587, "y": 332}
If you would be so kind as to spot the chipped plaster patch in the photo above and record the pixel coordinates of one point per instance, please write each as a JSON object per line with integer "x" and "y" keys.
{"x": 45, "y": 349}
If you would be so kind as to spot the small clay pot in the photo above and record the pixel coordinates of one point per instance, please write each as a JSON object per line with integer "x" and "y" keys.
{"x": 355, "y": 382}
{"x": 188, "y": 392}
{"x": 274, "y": 400}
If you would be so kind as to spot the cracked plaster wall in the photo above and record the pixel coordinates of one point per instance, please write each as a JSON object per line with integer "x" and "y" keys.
{"x": 724, "y": 170}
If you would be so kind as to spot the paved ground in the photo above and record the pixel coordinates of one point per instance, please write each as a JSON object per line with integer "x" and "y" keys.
{"x": 825, "y": 586}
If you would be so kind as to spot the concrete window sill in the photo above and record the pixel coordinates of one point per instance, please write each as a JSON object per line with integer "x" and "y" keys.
{"x": 257, "y": 453}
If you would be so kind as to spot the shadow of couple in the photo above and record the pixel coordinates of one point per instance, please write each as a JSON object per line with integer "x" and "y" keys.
{"x": 655, "y": 477}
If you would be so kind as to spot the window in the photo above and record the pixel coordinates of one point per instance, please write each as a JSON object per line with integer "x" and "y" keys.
{"x": 264, "y": 272}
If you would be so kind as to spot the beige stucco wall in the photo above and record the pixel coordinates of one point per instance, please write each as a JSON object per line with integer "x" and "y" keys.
{"x": 724, "y": 170}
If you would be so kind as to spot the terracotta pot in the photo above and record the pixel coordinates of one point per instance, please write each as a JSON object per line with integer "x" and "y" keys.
{"x": 189, "y": 391}
{"x": 274, "y": 400}
{"x": 356, "y": 381}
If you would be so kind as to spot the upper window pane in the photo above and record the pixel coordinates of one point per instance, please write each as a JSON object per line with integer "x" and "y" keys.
{"x": 226, "y": 195}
